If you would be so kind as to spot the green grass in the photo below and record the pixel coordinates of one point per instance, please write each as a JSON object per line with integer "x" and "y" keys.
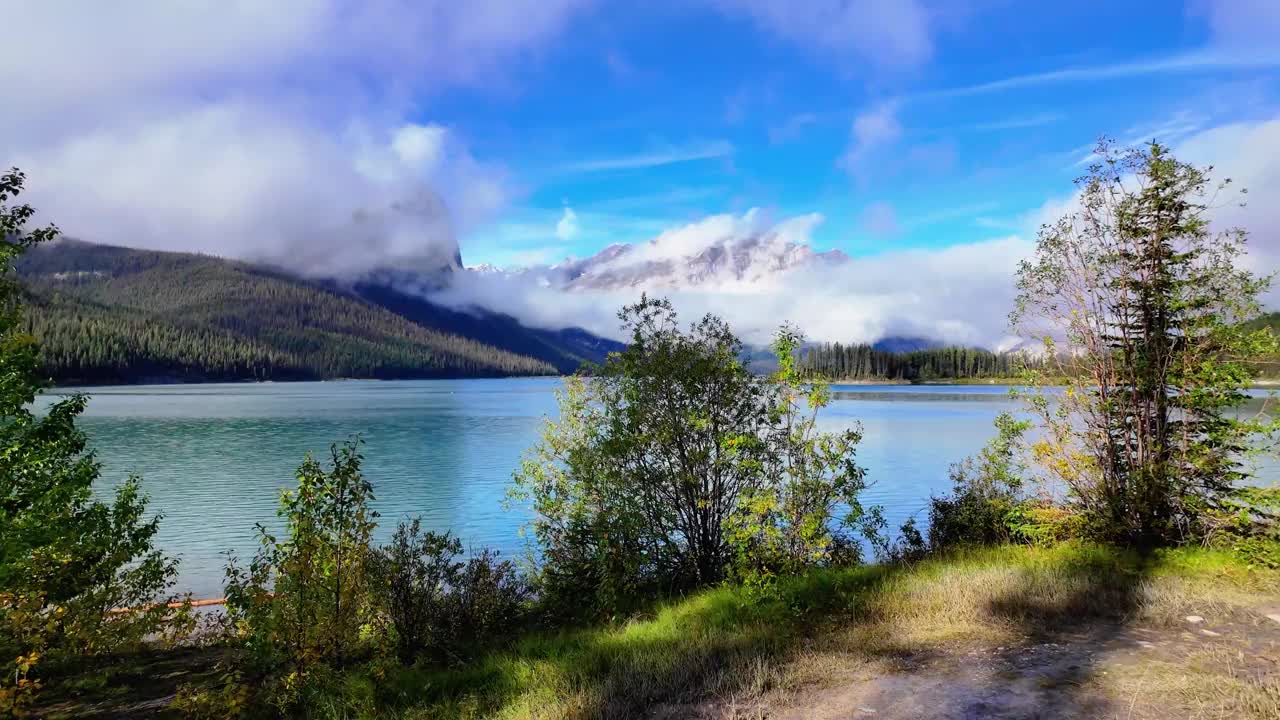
{"x": 725, "y": 644}
{"x": 729, "y": 646}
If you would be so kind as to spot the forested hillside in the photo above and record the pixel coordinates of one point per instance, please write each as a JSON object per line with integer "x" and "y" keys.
{"x": 866, "y": 362}
{"x": 107, "y": 314}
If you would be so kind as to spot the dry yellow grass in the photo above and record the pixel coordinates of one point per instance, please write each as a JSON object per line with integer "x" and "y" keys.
{"x": 974, "y": 619}
{"x": 740, "y": 654}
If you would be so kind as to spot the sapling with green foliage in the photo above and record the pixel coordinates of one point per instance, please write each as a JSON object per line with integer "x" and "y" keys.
{"x": 1144, "y": 307}
{"x": 986, "y": 489}
{"x": 305, "y": 606}
{"x": 806, "y": 511}
{"x": 66, "y": 559}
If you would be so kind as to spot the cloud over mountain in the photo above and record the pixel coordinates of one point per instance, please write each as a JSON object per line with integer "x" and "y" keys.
{"x": 273, "y": 131}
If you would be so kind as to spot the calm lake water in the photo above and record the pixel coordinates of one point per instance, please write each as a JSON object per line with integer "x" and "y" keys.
{"x": 214, "y": 457}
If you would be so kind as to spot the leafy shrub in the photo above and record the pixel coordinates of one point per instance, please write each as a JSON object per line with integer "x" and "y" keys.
{"x": 1247, "y": 522}
{"x": 304, "y": 606}
{"x": 1041, "y": 522}
{"x": 910, "y": 546}
{"x": 414, "y": 572}
{"x": 806, "y": 511}
{"x": 987, "y": 492}
{"x": 440, "y": 606}
{"x": 491, "y": 599}
{"x": 675, "y": 467}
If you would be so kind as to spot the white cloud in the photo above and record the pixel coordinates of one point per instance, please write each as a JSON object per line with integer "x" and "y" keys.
{"x": 871, "y": 132}
{"x": 420, "y": 146}
{"x": 1240, "y": 23}
{"x": 567, "y": 227}
{"x": 91, "y": 52}
{"x": 792, "y": 128}
{"x": 269, "y": 130}
{"x": 1248, "y": 154}
{"x": 235, "y": 180}
{"x": 695, "y": 237}
{"x": 933, "y": 158}
{"x": 1018, "y": 122}
{"x": 889, "y": 35}
{"x": 1198, "y": 61}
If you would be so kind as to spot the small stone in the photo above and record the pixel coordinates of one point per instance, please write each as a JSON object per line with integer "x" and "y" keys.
{"x": 1195, "y": 619}
{"x": 867, "y": 710}
{"x": 1274, "y": 617}
{"x": 1146, "y": 644}
{"x": 1211, "y": 633}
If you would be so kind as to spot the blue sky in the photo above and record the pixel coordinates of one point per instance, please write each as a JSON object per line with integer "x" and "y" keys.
{"x": 645, "y": 119}
{"x": 337, "y": 136}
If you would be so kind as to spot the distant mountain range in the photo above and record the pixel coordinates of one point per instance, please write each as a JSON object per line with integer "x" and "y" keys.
{"x": 108, "y": 314}
{"x": 668, "y": 262}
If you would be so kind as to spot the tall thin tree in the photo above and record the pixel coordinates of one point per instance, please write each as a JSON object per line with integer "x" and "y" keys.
{"x": 1143, "y": 303}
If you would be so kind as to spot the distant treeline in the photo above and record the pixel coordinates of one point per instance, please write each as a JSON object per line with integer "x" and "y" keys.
{"x": 864, "y": 362}
{"x": 1269, "y": 366}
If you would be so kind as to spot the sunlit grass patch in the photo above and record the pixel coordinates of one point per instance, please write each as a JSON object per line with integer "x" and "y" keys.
{"x": 829, "y": 626}
{"x": 1210, "y": 682}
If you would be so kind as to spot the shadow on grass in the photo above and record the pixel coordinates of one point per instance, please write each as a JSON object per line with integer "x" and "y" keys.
{"x": 716, "y": 644}
{"x": 1084, "y": 608}
{"x": 1054, "y": 608}
{"x": 140, "y": 685}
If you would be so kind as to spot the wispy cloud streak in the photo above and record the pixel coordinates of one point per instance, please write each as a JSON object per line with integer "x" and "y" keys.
{"x": 1203, "y": 61}
{"x": 656, "y": 158}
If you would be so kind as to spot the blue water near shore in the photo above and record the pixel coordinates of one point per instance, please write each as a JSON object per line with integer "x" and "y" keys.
{"x": 215, "y": 457}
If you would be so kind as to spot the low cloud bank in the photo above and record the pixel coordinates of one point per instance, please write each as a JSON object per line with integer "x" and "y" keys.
{"x": 959, "y": 294}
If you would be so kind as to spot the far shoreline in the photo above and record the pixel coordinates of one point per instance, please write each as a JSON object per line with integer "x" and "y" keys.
{"x": 869, "y": 382}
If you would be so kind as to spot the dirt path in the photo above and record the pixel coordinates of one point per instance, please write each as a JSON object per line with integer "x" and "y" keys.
{"x": 1225, "y": 667}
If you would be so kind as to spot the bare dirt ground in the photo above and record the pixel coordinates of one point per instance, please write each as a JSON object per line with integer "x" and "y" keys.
{"x": 1224, "y": 667}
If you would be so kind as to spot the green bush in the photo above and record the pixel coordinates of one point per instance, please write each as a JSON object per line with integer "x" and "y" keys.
{"x": 987, "y": 492}
{"x": 1247, "y": 522}
{"x": 490, "y": 601}
{"x": 414, "y": 573}
{"x": 675, "y": 467}
{"x": 441, "y": 607}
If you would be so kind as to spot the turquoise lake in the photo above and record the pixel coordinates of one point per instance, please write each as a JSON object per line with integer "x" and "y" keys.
{"x": 214, "y": 457}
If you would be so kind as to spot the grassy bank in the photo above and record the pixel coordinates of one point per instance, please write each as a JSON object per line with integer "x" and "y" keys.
{"x": 728, "y": 646}
{"x": 728, "y": 650}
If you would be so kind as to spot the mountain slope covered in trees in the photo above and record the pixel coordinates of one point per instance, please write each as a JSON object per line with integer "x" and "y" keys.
{"x": 108, "y": 314}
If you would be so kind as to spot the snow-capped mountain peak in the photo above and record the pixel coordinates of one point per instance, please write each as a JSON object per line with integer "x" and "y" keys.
{"x": 719, "y": 251}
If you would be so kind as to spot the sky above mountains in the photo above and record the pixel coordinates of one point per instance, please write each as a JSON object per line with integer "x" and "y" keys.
{"x": 926, "y": 139}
